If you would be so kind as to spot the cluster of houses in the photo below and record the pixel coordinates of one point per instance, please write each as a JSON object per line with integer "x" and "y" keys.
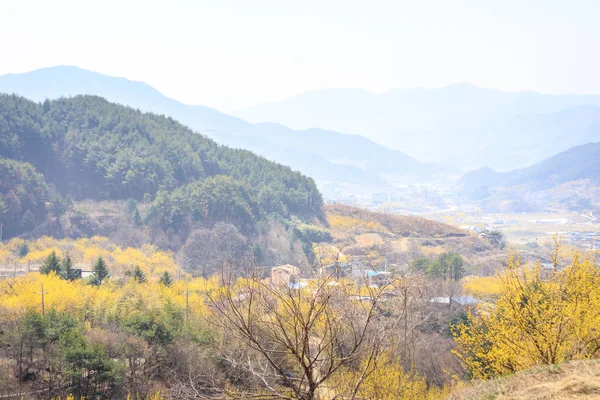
{"x": 289, "y": 276}
{"x": 589, "y": 240}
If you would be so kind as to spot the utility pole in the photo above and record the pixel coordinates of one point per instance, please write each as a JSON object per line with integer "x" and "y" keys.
{"x": 43, "y": 305}
{"x": 187, "y": 301}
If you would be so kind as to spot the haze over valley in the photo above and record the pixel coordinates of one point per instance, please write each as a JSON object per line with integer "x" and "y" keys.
{"x": 272, "y": 200}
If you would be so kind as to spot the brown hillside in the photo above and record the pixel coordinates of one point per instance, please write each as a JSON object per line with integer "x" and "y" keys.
{"x": 400, "y": 225}
{"x": 573, "y": 380}
{"x": 400, "y": 239}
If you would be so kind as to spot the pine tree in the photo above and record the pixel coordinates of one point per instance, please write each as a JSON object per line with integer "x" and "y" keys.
{"x": 100, "y": 272}
{"x": 51, "y": 264}
{"x": 67, "y": 270}
{"x": 28, "y": 221}
{"x": 165, "y": 279}
{"x": 136, "y": 217}
{"x": 23, "y": 249}
{"x": 138, "y": 275}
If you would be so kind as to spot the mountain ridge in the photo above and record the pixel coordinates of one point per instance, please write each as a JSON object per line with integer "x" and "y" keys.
{"x": 579, "y": 162}
{"x": 439, "y": 124}
{"x": 68, "y": 80}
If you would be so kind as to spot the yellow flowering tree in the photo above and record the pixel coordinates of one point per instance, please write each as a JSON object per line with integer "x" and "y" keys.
{"x": 535, "y": 319}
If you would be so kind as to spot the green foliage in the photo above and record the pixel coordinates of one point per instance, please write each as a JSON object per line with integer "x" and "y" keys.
{"x": 151, "y": 329}
{"x": 448, "y": 266}
{"x": 67, "y": 270}
{"x": 165, "y": 279}
{"x": 100, "y": 272}
{"x": 420, "y": 264}
{"x": 131, "y": 205}
{"x": 28, "y": 221}
{"x": 219, "y": 198}
{"x": 258, "y": 253}
{"x": 138, "y": 275}
{"x": 51, "y": 264}
{"x": 90, "y": 370}
{"x": 310, "y": 233}
{"x": 91, "y": 148}
{"x": 496, "y": 238}
{"x": 23, "y": 194}
{"x": 60, "y": 205}
{"x": 23, "y": 249}
{"x": 136, "y": 218}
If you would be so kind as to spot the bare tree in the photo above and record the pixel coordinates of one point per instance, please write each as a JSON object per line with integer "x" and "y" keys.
{"x": 296, "y": 341}
{"x": 206, "y": 251}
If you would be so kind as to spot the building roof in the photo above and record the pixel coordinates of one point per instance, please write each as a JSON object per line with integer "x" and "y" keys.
{"x": 287, "y": 268}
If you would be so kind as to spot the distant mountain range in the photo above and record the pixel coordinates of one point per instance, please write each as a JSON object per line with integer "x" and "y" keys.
{"x": 322, "y": 154}
{"x": 460, "y": 125}
{"x": 577, "y": 163}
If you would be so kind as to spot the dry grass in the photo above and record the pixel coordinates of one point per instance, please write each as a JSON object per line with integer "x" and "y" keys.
{"x": 573, "y": 380}
{"x": 401, "y": 245}
{"x": 368, "y": 240}
{"x": 401, "y": 225}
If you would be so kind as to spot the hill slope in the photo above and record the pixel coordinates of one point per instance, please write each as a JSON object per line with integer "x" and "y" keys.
{"x": 567, "y": 181}
{"x": 394, "y": 241}
{"x": 88, "y": 148}
{"x": 342, "y": 158}
{"x": 460, "y": 125}
{"x": 581, "y": 162}
{"x": 573, "y": 380}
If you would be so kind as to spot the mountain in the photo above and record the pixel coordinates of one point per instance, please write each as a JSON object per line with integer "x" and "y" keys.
{"x": 460, "y": 125}
{"x": 578, "y": 163}
{"x": 322, "y": 154}
{"x": 87, "y": 148}
{"x": 568, "y": 180}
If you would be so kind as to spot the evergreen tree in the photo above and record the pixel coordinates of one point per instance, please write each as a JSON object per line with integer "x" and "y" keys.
{"x": 138, "y": 275}
{"x": 165, "y": 279}
{"x": 52, "y": 263}
{"x": 46, "y": 106}
{"x": 100, "y": 272}
{"x": 57, "y": 206}
{"x": 28, "y": 221}
{"x": 67, "y": 270}
{"x": 23, "y": 249}
{"x": 136, "y": 217}
{"x": 420, "y": 264}
{"x": 131, "y": 205}
{"x": 496, "y": 238}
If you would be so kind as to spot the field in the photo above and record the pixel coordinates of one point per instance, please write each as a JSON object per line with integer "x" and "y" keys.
{"x": 523, "y": 228}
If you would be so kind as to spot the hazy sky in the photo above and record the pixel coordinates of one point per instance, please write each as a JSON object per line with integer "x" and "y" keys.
{"x": 230, "y": 54}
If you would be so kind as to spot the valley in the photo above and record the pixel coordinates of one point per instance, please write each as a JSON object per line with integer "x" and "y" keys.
{"x": 280, "y": 201}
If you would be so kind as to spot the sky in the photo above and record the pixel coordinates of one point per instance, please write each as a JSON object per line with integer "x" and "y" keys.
{"x": 233, "y": 54}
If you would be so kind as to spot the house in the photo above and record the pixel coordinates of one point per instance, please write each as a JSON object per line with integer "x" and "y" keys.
{"x": 282, "y": 275}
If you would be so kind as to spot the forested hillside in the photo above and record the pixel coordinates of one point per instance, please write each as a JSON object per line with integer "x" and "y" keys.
{"x": 173, "y": 179}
